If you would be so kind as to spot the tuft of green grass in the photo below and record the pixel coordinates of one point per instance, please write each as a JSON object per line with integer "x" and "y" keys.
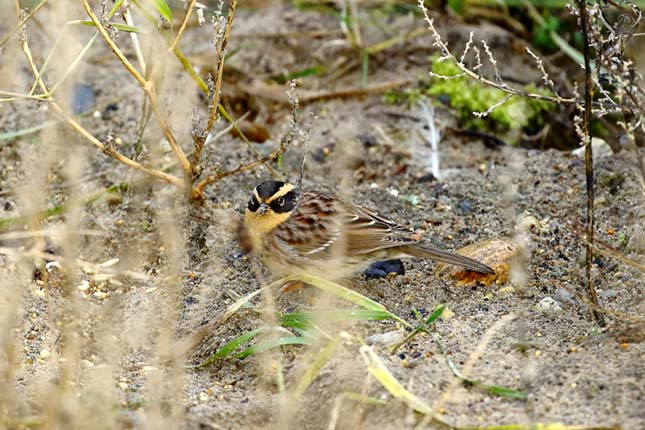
{"x": 467, "y": 96}
{"x": 302, "y": 324}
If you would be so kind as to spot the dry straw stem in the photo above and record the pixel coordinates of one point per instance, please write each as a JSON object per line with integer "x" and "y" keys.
{"x": 86, "y": 134}
{"x": 182, "y": 27}
{"x": 22, "y": 22}
{"x": 147, "y": 86}
{"x": 586, "y": 118}
{"x": 215, "y": 101}
{"x": 125, "y": 9}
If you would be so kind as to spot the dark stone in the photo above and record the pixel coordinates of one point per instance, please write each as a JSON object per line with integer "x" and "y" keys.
{"x": 83, "y": 98}
{"x": 428, "y": 177}
{"x": 381, "y": 269}
{"x": 465, "y": 207}
{"x": 368, "y": 140}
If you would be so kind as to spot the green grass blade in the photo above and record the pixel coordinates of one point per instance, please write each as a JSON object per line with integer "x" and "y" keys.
{"x": 163, "y": 9}
{"x": 436, "y": 314}
{"x": 274, "y": 343}
{"x": 25, "y": 131}
{"x": 365, "y": 68}
{"x": 118, "y": 26}
{"x": 311, "y": 71}
{"x": 499, "y": 391}
{"x": 305, "y": 318}
{"x": 230, "y": 347}
{"x": 344, "y": 293}
{"x": 541, "y": 426}
{"x": 117, "y": 5}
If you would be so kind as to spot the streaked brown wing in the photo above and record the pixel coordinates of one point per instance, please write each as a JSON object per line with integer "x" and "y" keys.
{"x": 368, "y": 231}
{"x": 322, "y": 223}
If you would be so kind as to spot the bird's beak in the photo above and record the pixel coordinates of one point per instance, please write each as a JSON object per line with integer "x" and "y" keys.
{"x": 263, "y": 208}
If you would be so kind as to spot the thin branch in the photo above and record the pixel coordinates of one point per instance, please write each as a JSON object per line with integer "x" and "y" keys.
{"x": 199, "y": 188}
{"x": 216, "y": 96}
{"x": 586, "y": 118}
{"x": 447, "y": 55}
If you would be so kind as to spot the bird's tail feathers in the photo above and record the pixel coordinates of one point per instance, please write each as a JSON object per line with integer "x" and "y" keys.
{"x": 428, "y": 252}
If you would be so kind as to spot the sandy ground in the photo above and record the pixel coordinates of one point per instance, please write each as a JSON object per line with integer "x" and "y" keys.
{"x": 573, "y": 371}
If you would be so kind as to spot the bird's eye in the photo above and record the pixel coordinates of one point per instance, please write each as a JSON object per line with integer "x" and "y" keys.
{"x": 281, "y": 201}
{"x": 253, "y": 204}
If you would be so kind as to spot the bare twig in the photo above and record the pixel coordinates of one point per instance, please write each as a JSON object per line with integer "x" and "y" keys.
{"x": 22, "y": 22}
{"x": 221, "y": 46}
{"x": 446, "y": 54}
{"x": 584, "y": 24}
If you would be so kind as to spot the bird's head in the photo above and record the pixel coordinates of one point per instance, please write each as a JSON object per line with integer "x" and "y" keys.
{"x": 270, "y": 205}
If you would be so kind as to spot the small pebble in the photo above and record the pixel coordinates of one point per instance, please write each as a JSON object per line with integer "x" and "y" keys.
{"x": 564, "y": 296}
{"x": 84, "y": 286}
{"x": 548, "y": 305}
{"x": 387, "y": 338}
{"x": 506, "y": 291}
{"x": 465, "y": 207}
{"x": 599, "y": 147}
{"x": 83, "y": 98}
{"x": 368, "y": 140}
{"x": 100, "y": 294}
{"x": 608, "y": 294}
{"x": 447, "y": 314}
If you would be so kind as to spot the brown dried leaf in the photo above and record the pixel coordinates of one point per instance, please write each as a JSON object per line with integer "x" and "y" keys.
{"x": 497, "y": 254}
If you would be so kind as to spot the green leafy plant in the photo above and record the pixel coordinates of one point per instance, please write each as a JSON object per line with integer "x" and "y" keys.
{"x": 467, "y": 96}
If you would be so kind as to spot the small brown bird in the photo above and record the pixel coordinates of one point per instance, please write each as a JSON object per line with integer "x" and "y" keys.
{"x": 315, "y": 232}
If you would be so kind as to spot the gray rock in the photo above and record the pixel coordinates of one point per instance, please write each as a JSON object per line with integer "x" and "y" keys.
{"x": 548, "y": 305}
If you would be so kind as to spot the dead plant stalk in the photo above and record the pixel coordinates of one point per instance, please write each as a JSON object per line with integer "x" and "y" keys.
{"x": 584, "y": 24}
